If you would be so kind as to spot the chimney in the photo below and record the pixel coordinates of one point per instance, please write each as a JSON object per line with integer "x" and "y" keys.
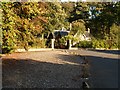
{"x": 88, "y": 30}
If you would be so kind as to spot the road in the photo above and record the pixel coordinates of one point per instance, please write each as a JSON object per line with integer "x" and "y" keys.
{"x": 103, "y": 67}
{"x": 59, "y": 69}
{"x": 41, "y": 69}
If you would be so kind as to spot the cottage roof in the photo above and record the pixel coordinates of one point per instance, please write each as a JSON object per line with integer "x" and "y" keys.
{"x": 61, "y": 33}
{"x": 87, "y": 34}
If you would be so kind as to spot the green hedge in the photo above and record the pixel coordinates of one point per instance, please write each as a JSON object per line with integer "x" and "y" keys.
{"x": 107, "y": 44}
{"x": 84, "y": 44}
{"x": 7, "y": 49}
{"x": 38, "y": 43}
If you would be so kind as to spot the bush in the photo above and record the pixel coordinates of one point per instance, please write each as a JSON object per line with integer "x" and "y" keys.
{"x": 60, "y": 43}
{"x": 107, "y": 44}
{"x": 6, "y": 49}
{"x": 38, "y": 43}
{"x": 97, "y": 44}
{"x": 84, "y": 44}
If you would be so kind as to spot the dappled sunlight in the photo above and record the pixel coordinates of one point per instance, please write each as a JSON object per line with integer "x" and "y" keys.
{"x": 61, "y": 58}
{"x": 59, "y": 68}
{"x": 34, "y": 73}
{"x": 70, "y": 59}
{"x": 52, "y": 60}
{"x": 55, "y": 57}
{"x": 41, "y": 69}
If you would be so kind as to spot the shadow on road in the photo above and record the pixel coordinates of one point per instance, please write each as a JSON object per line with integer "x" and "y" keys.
{"x": 27, "y": 73}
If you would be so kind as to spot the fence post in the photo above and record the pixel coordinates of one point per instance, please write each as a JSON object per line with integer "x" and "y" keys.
{"x": 70, "y": 44}
{"x": 52, "y": 45}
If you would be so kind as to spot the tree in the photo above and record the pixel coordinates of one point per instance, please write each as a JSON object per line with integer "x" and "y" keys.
{"x": 100, "y": 25}
{"x": 19, "y": 24}
{"x": 8, "y": 27}
{"x": 104, "y": 27}
{"x": 56, "y": 17}
{"x": 114, "y": 36}
{"x": 68, "y": 7}
{"x": 78, "y": 27}
{"x": 81, "y": 11}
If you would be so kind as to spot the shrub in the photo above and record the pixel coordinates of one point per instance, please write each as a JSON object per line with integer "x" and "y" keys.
{"x": 107, "y": 44}
{"x": 38, "y": 43}
{"x": 6, "y": 49}
{"x": 84, "y": 44}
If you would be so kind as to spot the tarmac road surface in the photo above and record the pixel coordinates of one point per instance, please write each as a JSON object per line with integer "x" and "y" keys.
{"x": 59, "y": 69}
{"x": 103, "y": 67}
